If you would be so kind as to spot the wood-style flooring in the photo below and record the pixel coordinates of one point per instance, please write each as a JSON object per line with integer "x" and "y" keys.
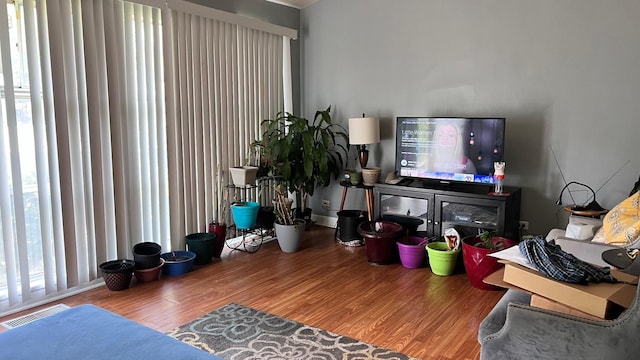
{"x": 324, "y": 284}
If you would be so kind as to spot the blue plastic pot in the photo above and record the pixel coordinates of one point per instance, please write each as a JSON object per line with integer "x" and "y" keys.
{"x": 245, "y": 214}
{"x": 178, "y": 262}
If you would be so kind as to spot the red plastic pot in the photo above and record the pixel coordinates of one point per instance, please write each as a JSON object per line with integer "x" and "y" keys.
{"x": 478, "y": 264}
{"x": 221, "y": 234}
{"x": 380, "y": 238}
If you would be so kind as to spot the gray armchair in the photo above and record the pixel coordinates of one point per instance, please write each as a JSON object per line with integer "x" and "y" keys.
{"x": 515, "y": 330}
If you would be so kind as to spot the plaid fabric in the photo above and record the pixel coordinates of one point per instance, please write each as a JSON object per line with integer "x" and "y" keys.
{"x": 557, "y": 264}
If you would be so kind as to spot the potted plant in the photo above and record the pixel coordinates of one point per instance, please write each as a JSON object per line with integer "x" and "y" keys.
{"x": 304, "y": 154}
{"x": 289, "y": 230}
{"x": 477, "y": 263}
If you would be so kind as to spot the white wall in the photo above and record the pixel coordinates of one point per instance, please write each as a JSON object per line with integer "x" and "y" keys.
{"x": 565, "y": 74}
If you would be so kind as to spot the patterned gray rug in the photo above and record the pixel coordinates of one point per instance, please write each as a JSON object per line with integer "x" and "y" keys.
{"x": 238, "y": 332}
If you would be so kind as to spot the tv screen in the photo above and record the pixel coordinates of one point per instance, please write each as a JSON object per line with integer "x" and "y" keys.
{"x": 449, "y": 149}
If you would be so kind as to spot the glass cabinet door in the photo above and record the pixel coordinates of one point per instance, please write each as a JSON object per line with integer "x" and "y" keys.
{"x": 468, "y": 217}
{"x": 406, "y": 207}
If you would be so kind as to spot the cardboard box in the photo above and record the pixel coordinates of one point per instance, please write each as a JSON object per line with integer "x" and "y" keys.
{"x": 600, "y": 300}
{"x": 496, "y": 279}
{"x": 544, "y": 303}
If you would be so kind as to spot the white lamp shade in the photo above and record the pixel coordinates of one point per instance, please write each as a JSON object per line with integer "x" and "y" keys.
{"x": 364, "y": 131}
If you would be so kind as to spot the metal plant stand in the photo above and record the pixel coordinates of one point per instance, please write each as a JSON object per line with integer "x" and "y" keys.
{"x": 249, "y": 240}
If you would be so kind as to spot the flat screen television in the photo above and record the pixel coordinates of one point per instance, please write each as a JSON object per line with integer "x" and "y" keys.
{"x": 449, "y": 149}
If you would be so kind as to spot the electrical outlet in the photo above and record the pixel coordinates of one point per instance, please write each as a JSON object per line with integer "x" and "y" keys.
{"x": 524, "y": 225}
{"x": 326, "y": 204}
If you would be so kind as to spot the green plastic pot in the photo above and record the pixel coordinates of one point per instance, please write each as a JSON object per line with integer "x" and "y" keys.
{"x": 441, "y": 259}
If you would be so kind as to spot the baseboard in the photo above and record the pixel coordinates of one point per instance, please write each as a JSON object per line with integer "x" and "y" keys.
{"x": 328, "y": 221}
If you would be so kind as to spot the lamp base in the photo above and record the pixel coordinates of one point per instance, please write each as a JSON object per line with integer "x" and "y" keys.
{"x": 363, "y": 155}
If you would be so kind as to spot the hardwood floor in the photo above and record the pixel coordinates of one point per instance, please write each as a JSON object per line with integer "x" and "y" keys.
{"x": 325, "y": 285}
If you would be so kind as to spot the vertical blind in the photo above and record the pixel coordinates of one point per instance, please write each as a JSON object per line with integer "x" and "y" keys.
{"x": 118, "y": 124}
{"x": 226, "y": 80}
{"x": 81, "y": 128}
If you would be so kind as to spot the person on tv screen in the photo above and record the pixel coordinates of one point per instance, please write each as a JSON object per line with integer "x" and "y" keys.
{"x": 448, "y": 150}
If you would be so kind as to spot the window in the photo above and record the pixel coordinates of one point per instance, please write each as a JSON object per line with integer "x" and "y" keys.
{"x": 92, "y": 147}
{"x": 20, "y": 123}
{"x": 89, "y": 125}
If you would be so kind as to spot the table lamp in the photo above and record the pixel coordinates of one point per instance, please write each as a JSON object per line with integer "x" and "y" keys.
{"x": 363, "y": 131}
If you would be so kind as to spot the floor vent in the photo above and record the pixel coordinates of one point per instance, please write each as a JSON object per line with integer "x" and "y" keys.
{"x": 23, "y": 320}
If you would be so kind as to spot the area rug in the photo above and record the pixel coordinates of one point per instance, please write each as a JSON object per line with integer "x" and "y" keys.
{"x": 239, "y": 332}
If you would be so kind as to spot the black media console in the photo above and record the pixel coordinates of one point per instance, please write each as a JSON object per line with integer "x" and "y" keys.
{"x": 466, "y": 207}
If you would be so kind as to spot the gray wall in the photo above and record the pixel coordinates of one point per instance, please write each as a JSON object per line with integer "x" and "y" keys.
{"x": 565, "y": 74}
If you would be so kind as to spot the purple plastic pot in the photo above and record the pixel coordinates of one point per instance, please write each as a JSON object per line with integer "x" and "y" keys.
{"x": 412, "y": 251}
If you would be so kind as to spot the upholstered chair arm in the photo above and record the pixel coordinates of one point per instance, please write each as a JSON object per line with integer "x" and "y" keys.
{"x": 496, "y": 318}
{"x": 534, "y": 333}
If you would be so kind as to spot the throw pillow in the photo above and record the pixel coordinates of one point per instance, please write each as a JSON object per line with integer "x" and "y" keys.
{"x": 621, "y": 225}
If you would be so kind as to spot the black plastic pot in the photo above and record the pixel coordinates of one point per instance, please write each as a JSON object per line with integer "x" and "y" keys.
{"x": 304, "y": 215}
{"x": 348, "y": 221}
{"x": 409, "y": 223}
{"x": 266, "y": 217}
{"x": 146, "y": 255}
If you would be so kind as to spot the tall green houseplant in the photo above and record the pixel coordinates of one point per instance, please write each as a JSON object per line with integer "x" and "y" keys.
{"x": 305, "y": 154}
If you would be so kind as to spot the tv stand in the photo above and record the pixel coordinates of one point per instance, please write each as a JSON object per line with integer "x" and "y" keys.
{"x": 406, "y": 182}
{"x": 466, "y": 207}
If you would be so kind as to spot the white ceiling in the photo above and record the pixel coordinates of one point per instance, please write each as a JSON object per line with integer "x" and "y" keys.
{"x": 298, "y": 4}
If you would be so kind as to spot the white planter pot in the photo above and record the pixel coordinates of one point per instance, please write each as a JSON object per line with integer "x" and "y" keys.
{"x": 290, "y": 236}
{"x": 370, "y": 176}
{"x": 243, "y": 175}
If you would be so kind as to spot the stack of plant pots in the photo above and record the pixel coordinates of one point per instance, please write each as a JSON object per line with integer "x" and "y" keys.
{"x": 148, "y": 264}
